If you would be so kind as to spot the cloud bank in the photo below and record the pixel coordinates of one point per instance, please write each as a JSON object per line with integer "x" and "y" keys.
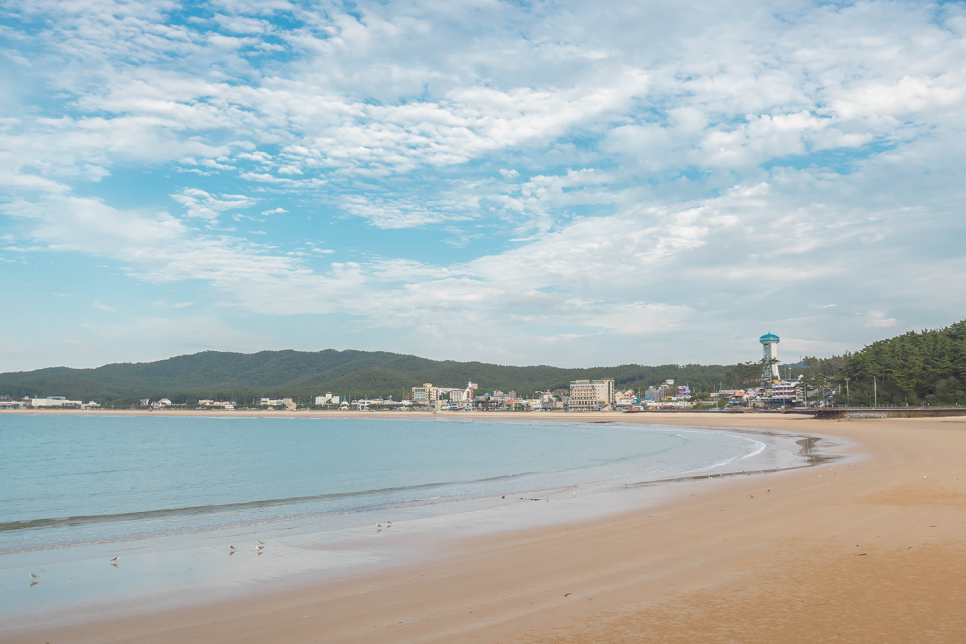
{"x": 566, "y": 183}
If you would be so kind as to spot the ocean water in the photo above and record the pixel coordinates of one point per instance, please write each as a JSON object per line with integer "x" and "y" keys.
{"x": 70, "y": 480}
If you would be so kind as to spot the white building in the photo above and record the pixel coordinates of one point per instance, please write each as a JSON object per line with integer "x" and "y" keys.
{"x": 591, "y": 395}
{"x": 54, "y": 401}
{"x": 327, "y": 399}
{"x": 459, "y": 396}
{"x": 624, "y": 398}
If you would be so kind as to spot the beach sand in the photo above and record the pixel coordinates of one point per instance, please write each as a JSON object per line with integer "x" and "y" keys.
{"x": 869, "y": 550}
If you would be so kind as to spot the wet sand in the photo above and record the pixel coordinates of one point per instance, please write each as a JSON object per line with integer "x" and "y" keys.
{"x": 869, "y": 550}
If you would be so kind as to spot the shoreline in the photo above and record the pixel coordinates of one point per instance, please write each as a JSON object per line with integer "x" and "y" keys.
{"x": 777, "y": 451}
{"x": 318, "y": 413}
{"x": 657, "y": 561}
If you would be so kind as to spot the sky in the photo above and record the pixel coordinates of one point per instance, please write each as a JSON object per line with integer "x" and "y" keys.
{"x": 564, "y": 183}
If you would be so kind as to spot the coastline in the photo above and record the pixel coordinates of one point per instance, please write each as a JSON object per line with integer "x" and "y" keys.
{"x": 313, "y": 547}
{"x": 502, "y": 586}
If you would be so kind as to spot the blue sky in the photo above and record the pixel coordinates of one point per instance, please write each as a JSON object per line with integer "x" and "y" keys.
{"x": 561, "y": 183}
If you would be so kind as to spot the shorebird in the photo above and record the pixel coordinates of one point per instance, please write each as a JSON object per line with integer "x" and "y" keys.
{"x": 231, "y": 547}
{"x": 260, "y": 542}
{"x": 33, "y": 576}
{"x": 116, "y": 558}
{"x": 259, "y": 548}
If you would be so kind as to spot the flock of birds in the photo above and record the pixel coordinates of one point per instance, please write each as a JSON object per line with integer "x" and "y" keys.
{"x": 259, "y": 547}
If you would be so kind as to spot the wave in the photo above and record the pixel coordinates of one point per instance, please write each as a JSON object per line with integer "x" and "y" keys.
{"x": 32, "y": 524}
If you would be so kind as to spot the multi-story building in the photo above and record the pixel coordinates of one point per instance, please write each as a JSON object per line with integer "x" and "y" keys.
{"x": 426, "y": 394}
{"x": 591, "y": 395}
{"x": 787, "y": 391}
{"x": 461, "y": 396}
{"x": 327, "y": 399}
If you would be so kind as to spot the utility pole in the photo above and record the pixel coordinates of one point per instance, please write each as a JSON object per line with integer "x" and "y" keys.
{"x": 848, "y": 398}
{"x": 875, "y": 393}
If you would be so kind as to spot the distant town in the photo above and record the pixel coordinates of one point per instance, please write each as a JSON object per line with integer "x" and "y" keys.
{"x": 769, "y": 391}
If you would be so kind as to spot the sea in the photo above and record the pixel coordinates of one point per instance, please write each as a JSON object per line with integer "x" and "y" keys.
{"x": 69, "y": 480}
{"x": 202, "y": 508}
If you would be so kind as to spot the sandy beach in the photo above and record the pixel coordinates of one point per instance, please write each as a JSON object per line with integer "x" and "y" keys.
{"x": 872, "y": 549}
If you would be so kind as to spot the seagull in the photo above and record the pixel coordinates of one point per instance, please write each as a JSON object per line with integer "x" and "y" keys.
{"x": 116, "y": 558}
{"x": 33, "y": 576}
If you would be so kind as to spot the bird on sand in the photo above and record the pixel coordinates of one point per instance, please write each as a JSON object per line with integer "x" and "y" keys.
{"x": 116, "y": 558}
{"x": 751, "y": 496}
{"x": 231, "y": 547}
{"x": 260, "y": 542}
{"x": 33, "y": 576}
{"x": 259, "y": 547}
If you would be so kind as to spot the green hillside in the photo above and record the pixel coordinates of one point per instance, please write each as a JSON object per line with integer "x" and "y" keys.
{"x": 911, "y": 368}
{"x": 300, "y": 374}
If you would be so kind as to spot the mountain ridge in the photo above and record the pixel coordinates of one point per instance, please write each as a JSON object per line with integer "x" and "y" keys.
{"x": 303, "y": 374}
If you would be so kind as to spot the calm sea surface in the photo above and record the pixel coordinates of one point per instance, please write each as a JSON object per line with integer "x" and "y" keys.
{"x": 70, "y": 480}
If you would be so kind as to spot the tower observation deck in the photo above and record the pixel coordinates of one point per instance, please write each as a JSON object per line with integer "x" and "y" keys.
{"x": 769, "y": 343}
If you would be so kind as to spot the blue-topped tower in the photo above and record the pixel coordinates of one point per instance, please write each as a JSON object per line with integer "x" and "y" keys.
{"x": 769, "y": 342}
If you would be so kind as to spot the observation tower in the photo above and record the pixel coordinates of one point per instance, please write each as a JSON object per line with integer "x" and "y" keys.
{"x": 769, "y": 343}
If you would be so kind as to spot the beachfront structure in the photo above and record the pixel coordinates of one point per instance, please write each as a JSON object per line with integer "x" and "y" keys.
{"x": 591, "y": 395}
{"x": 787, "y": 391}
{"x": 54, "y": 401}
{"x": 426, "y": 394}
{"x": 216, "y": 403}
{"x": 279, "y": 402}
{"x": 327, "y": 399}
{"x": 460, "y": 396}
{"x": 769, "y": 343}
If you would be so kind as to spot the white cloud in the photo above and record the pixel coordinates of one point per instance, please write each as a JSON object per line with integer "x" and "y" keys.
{"x": 685, "y": 169}
{"x": 878, "y": 320}
{"x": 200, "y": 204}
{"x": 97, "y": 305}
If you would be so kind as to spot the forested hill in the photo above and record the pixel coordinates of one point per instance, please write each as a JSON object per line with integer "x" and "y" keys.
{"x": 911, "y": 368}
{"x": 299, "y": 374}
